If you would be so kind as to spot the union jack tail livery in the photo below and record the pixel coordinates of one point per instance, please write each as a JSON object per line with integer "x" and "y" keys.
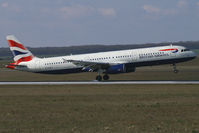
{"x": 20, "y": 53}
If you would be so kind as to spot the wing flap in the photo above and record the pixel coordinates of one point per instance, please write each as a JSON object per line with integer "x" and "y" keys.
{"x": 91, "y": 65}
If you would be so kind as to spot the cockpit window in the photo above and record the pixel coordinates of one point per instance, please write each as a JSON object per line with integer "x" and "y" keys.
{"x": 184, "y": 50}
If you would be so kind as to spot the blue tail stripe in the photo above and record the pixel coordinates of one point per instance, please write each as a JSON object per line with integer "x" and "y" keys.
{"x": 18, "y": 53}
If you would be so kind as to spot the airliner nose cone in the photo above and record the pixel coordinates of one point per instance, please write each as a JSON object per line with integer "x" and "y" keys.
{"x": 194, "y": 55}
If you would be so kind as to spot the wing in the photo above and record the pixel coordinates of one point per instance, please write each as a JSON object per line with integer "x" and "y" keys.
{"x": 91, "y": 65}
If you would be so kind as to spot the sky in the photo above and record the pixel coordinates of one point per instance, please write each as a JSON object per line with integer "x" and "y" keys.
{"x": 40, "y": 23}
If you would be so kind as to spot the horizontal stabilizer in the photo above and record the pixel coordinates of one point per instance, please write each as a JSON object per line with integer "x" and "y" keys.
{"x": 13, "y": 66}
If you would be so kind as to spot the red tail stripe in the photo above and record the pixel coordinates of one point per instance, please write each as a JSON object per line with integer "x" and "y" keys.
{"x": 12, "y": 63}
{"x": 15, "y": 44}
{"x": 24, "y": 59}
{"x": 169, "y": 49}
{"x": 10, "y": 66}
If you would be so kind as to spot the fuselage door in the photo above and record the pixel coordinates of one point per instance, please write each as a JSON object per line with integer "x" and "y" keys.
{"x": 134, "y": 55}
{"x": 87, "y": 58}
{"x": 37, "y": 64}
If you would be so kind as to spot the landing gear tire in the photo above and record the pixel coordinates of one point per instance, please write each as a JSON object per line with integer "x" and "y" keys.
{"x": 176, "y": 71}
{"x": 106, "y": 77}
{"x": 99, "y": 78}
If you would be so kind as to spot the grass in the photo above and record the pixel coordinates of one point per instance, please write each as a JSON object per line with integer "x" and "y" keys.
{"x": 196, "y": 50}
{"x": 99, "y": 109}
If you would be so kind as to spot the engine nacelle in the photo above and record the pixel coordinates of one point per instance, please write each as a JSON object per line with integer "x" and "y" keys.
{"x": 130, "y": 68}
{"x": 122, "y": 68}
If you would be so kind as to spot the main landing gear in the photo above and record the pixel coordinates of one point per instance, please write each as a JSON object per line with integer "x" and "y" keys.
{"x": 175, "y": 69}
{"x": 99, "y": 77}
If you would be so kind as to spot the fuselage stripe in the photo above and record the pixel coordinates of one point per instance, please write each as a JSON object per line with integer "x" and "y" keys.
{"x": 169, "y": 49}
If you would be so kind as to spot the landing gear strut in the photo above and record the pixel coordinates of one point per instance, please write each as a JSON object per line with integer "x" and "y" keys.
{"x": 175, "y": 69}
{"x": 99, "y": 77}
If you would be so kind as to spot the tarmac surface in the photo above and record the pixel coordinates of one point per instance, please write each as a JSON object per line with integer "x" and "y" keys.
{"x": 99, "y": 83}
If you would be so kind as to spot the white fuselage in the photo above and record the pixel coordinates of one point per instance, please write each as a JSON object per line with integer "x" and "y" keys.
{"x": 139, "y": 57}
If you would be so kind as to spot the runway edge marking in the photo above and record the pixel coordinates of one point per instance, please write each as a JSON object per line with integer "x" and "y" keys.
{"x": 100, "y": 83}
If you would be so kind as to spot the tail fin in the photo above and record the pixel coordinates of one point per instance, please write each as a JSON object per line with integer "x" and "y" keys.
{"x": 20, "y": 53}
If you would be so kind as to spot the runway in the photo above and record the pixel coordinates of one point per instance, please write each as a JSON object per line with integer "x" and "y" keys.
{"x": 101, "y": 83}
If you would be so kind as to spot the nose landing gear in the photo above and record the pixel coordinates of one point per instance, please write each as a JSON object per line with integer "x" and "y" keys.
{"x": 175, "y": 69}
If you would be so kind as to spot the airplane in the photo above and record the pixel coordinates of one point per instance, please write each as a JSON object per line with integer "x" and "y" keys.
{"x": 113, "y": 62}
